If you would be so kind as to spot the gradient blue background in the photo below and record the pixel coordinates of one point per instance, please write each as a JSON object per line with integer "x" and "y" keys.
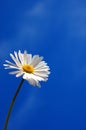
{"x": 56, "y": 30}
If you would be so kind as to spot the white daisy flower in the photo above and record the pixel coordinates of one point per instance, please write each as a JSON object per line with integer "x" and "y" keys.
{"x": 32, "y": 68}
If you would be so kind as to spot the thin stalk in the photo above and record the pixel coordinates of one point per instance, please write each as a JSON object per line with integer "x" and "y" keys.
{"x": 12, "y": 103}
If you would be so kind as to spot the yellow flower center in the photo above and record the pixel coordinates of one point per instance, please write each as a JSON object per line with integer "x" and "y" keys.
{"x": 28, "y": 68}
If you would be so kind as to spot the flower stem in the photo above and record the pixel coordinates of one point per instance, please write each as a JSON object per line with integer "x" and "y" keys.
{"x": 12, "y": 103}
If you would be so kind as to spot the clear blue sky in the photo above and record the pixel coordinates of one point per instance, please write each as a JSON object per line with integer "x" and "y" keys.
{"x": 56, "y": 30}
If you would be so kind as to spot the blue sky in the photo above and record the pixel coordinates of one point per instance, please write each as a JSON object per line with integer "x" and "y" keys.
{"x": 56, "y": 30}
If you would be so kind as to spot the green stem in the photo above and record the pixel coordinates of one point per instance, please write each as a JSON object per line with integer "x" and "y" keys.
{"x": 12, "y": 103}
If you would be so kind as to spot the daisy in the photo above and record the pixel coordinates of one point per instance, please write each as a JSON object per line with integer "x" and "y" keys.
{"x": 31, "y": 68}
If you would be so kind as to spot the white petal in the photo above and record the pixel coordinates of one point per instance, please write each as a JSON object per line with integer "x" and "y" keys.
{"x": 42, "y": 69}
{"x": 41, "y": 64}
{"x": 38, "y": 84}
{"x": 36, "y": 60}
{"x": 37, "y": 77}
{"x": 9, "y": 62}
{"x": 10, "y": 67}
{"x": 29, "y": 58}
{"x": 14, "y": 59}
{"x": 20, "y": 55}
{"x": 41, "y": 74}
{"x": 14, "y": 72}
{"x": 25, "y": 57}
{"x": 19, "y": 74}
{"x": 26, "y": 76}
{"x": 15, "y": 53}
{"x": 32, "y": 76}
{"x": 34, "y": 82}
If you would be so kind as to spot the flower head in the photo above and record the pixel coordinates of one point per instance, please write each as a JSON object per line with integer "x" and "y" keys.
{"x": 32, "y": 68}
